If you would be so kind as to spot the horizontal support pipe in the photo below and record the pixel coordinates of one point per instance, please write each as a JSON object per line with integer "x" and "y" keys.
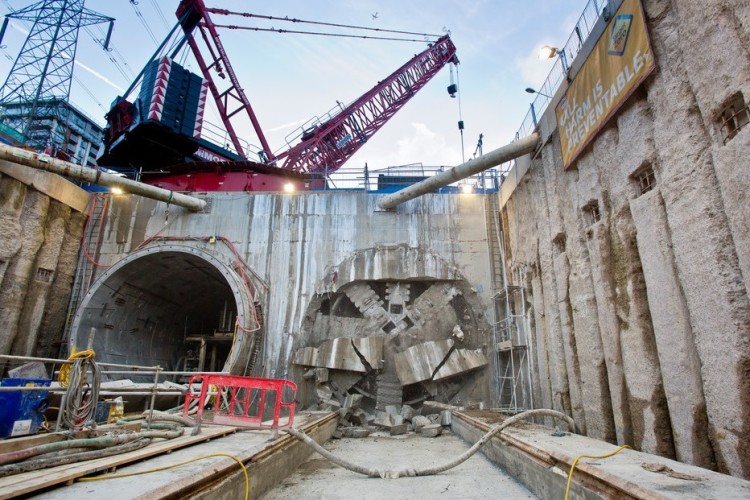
{"x": 31, "y": 358}
{"x": 471, "y": 167}
{"x": 67, "y": 169}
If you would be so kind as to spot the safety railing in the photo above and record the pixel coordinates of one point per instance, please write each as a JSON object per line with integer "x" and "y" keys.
{"x": 393, "y": 178}
{"x": 591, "y": 13}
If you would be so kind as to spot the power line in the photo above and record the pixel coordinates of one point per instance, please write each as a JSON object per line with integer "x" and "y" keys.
{"x": 143, "y": 21}
{"x": 320, "y": 23}
{"x": 112, "y": 59}
{"x": 320, "y": 33}
{"x": 160, "y": 14}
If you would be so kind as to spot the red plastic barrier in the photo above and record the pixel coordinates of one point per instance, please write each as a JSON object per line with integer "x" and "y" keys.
{"x": 243, "y": 401}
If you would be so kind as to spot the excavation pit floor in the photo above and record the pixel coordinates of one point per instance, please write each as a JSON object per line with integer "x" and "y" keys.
{"x": 475, "y": 478}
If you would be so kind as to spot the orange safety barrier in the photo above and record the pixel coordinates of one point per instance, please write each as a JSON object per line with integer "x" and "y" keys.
{"x": 258, "y": 403}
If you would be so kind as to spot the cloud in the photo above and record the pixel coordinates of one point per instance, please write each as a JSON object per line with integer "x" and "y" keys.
{"x": 99, "y": 76}
{"x": 287, "y": 125}
{"x": 425, "y": 146}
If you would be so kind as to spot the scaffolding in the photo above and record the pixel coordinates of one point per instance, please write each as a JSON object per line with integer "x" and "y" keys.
{"x": 511, "y": 358}
{"x": 511, "y": 348}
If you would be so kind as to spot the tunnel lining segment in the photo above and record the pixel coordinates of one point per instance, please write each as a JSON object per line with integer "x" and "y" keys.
{"x": 183, "y": 259}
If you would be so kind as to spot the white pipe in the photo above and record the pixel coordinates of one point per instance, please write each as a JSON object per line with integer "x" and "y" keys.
{"x": 67, "y": 169}
{"x": 471, "y": 167}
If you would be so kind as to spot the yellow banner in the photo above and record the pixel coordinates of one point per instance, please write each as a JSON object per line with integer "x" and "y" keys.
{"x": 620, "y": 61}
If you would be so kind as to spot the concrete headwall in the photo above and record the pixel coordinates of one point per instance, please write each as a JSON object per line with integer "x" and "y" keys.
{"x": 640, "y": 252}
{"x": 297, "y": 250}
{"x": 41, "y": 221}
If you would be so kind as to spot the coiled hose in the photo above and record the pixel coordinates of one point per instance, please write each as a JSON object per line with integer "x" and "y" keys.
{"x": 79, "y": 404}
{"x": 429, "y": 471}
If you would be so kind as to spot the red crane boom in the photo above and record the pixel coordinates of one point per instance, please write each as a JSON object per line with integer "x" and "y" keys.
{"x": 167, "y": 142}
{"x": 327, "y": 146}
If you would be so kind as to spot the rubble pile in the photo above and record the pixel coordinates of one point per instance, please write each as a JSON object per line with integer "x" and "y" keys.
{"x": 396, "y": 420}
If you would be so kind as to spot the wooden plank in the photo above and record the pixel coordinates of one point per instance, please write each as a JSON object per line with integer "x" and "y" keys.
{"x": 28, "y": 482}
{"x": 221, "y": 468}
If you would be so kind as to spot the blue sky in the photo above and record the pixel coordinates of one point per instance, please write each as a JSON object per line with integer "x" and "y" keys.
{"x": 290, "y": 78}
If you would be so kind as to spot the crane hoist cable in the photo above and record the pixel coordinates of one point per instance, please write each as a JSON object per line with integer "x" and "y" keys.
{"x": 455, "y": 89}
{"x": 319, "y": 23}
{"x": 320, "y": 33}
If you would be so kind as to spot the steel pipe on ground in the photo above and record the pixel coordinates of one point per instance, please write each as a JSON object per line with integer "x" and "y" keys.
{"x": 471, "y": 167}
{"x": 67, "y": 169}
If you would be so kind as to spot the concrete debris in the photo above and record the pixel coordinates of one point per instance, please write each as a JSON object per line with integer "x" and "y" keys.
{"x": 359, "y": 417}
{"x": 407, "y": 412}
{"x": 399, "y": 429}
{"x": 343, "y": 354}
{"x": 434, "y": 418}
{"x": 393, "y": 410}
{"x": 355, "y": 432}
{"x": 419, "y": 421}
{"x": 309, "y": 374}
{"x": 344, "y": 414}
{"x": 324, "y": 392}
{"x": 321, "y": 375}
{"x": 429, "y": 407}
{"x": 353, "y": 401}
{"x": 355, "y": 422}
{"x": 383, "y": 419}
{"x": 329, "y": 405}
{"x": 432, "y": 430}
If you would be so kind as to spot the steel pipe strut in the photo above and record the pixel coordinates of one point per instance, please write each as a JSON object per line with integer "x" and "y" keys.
{"x": 67, "y": 169}
{"x": 471, "y": 167}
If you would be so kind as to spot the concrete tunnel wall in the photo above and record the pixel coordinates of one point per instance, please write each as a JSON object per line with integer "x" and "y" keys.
{"x": 299, "y": 246}
{"x": 142, "y": 309}
{"x": 643, "y": 309}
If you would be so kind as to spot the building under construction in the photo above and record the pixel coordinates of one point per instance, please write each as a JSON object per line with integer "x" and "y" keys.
{"x": 601, "y": 286}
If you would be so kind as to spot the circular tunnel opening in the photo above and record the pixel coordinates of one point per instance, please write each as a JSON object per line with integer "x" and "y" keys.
{"x": 174, "y": 309}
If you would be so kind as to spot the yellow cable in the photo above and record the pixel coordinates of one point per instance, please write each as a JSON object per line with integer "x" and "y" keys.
{"x": 166, "y": 467}
{"x": 573, "y": 467}
{"x": 63, "y": 375}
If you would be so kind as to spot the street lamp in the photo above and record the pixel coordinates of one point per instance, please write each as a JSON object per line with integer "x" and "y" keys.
{"x": 529, "y": 90}
{"x": 548, "y": 52}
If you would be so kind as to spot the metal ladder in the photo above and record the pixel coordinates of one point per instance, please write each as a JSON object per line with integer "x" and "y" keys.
{"x": 84, "y": 275}
{"x": 492, "y": 212}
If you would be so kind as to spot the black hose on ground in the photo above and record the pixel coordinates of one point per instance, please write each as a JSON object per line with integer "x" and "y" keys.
{"x": 95, "y": 442}
{"x": 411, "y": 472}
{"x": 44, "y": 463}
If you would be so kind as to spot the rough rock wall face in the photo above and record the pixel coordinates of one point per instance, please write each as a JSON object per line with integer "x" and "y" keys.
{"x": 39, "y": 242}
{"x": 640, "y": 252}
